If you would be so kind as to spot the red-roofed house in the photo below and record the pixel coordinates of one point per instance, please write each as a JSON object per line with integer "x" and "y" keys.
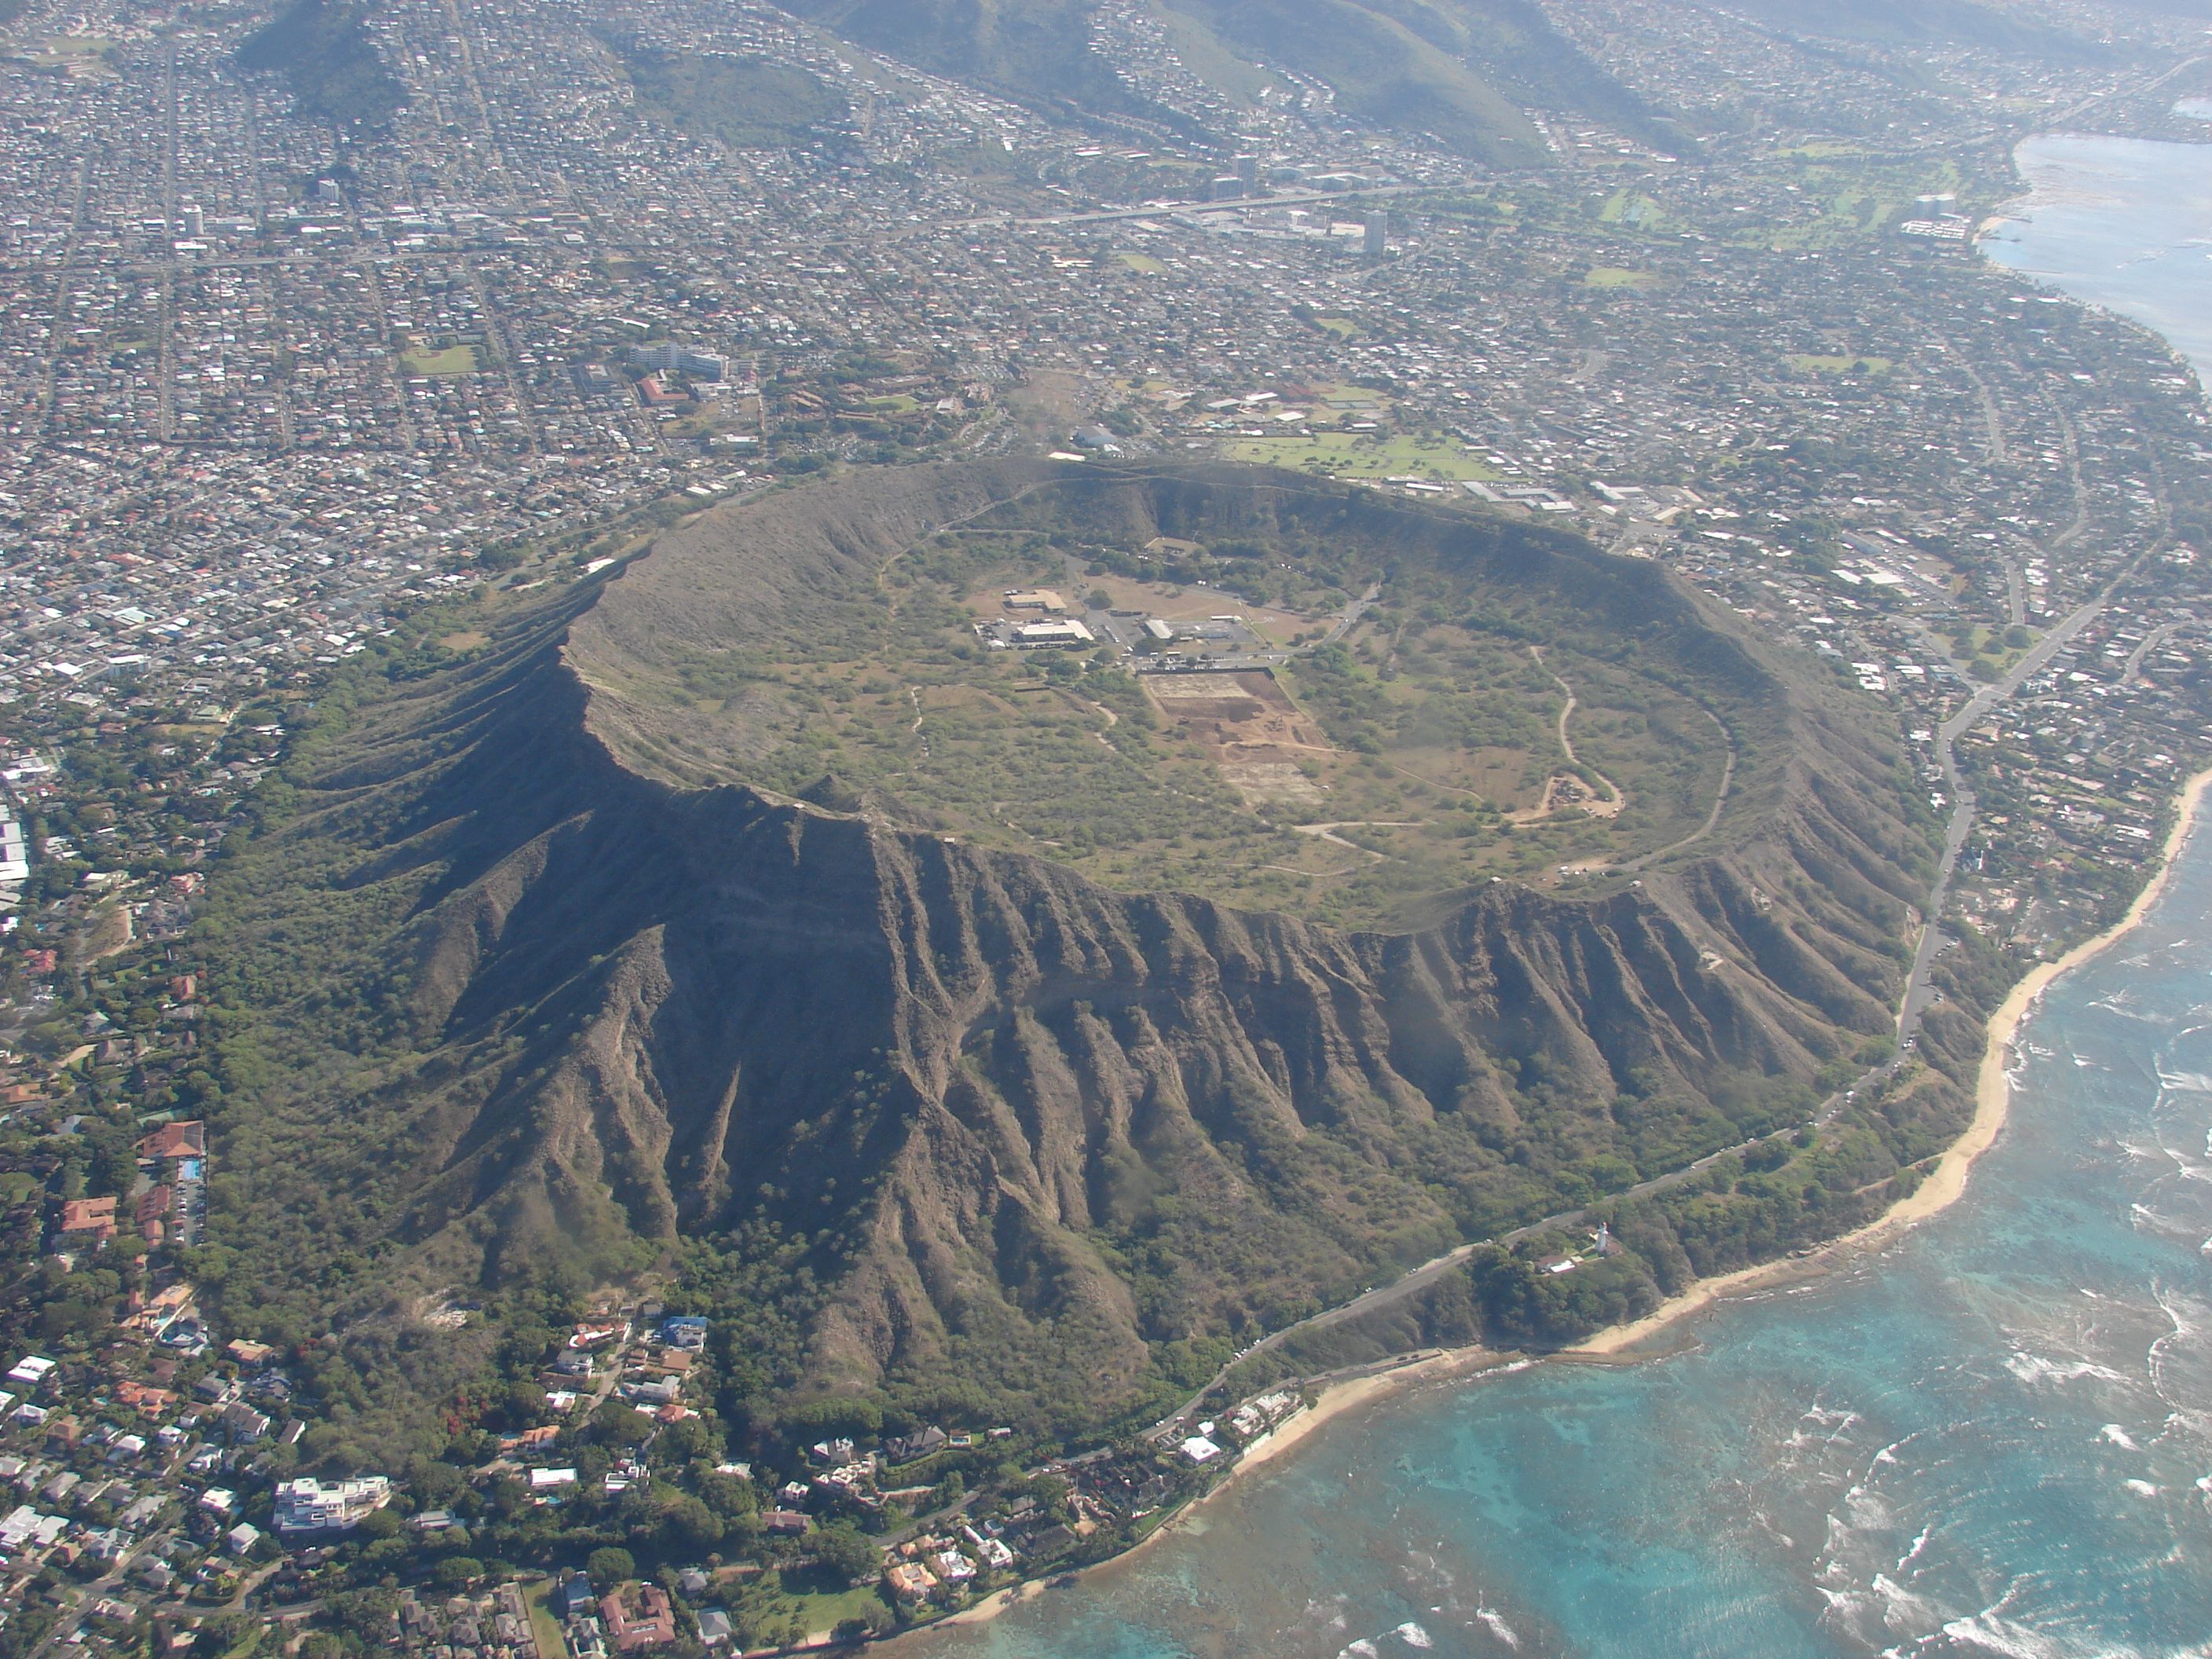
{"x": 176, "y": 1140}
{"x": 637, "y": 1616}
{"x": 95, "y": 1216}
{"x": 139, "y": 1397}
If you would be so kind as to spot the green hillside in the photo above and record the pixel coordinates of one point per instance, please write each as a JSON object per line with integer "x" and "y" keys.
{"x": 945, "y": 1126}
{"x": 326, "y": 57}
{"x": 746, "y": 102}
{"x": 1462, "y": 70}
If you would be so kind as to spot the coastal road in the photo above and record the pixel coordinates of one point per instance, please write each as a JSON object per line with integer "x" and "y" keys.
{"x": 1917, "y": 996}
{"x": 1430, "y": 1271}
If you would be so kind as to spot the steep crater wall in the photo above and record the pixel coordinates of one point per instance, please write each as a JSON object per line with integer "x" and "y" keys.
{"x": 1020, "y": 1129}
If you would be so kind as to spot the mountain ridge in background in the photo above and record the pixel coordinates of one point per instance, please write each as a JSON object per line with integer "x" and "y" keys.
{"x": 1461, "y": 69}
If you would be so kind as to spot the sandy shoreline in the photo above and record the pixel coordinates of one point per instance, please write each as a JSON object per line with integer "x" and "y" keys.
{"x": 1334, "y": 1402}
{"x": 1947, "y": 1181}
{"x": 1943, "y": 1188}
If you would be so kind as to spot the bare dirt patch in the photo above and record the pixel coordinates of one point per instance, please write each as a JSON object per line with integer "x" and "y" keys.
{"x": 1258, "y": 782}
{"x": 1563, "y": 790}
{"x": 106, "y": 933}
{"x": 1262, "y": 742}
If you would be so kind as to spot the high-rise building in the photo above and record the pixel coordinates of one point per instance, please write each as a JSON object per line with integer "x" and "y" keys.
{"x": 1377, "y": 236}
{"x": 1248, "y": 174}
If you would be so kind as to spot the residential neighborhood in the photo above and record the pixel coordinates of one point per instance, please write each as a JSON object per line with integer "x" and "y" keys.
{"x": 296, "y": 404}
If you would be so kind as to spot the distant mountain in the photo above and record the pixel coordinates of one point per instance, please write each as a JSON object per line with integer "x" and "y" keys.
{"x": 2169, "y": 7}
{"x": 1462, "y": 70}
{"x": 510, "y": 1009}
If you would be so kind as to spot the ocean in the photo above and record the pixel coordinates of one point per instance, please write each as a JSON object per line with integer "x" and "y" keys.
{"x": 2124, "y": 222}
{"x": 1992, "y": 1435}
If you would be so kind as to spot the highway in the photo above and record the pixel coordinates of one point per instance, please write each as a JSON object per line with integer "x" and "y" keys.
{"x": 1918, "y": 993}
{"x": 1168, "y": 210}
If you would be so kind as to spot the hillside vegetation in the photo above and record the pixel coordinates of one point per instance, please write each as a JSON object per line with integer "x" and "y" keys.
{"x": 745, "y": 102}
{"x": 328, "y": 60}
{"x": 939, "y": 1127}
{"x": 1418, "y": 753}
{"x": 1461, "y": 70}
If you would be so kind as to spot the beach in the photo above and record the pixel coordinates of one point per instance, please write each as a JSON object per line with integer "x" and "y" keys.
{"x": 1947, "y": 1181}
{"x": 1334, "y": 1401}
{"x": 1942, "y": 1187}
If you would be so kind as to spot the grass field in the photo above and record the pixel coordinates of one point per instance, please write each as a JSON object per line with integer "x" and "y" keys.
{"x": 70, "y": 51}
{"x": 1859, "y": 196}
{"x": 781, "y": 1600}
{"x": 1618, "y": 276}
{"x": 1999, "y": 649}
{"x": 1822, "y": 149}
{"x": 440, "y": 365}
{"x": 543, "y": 1624}
{"x": 1412, "y": 758}
{"x": 1637, "y": 212}
{"x": 1355, "y": 455}
{"x": 1815, "y": 364}
{"x": 1143, "y": 264}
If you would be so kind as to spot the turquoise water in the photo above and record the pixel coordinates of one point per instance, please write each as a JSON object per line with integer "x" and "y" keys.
{"x": 1993, "y": 1436}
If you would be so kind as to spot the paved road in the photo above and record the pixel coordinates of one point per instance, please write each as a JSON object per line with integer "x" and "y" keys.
{"x": 1167, "y": 209}
{"x": 1915, "y": 999}
{"x": 67, "y": 1626}
{"x": 1918, "y": 995}
{"x": 1430, "y": 1271}
{"x": 1348, "y": 618}
{"x": 2151, "y": 641}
